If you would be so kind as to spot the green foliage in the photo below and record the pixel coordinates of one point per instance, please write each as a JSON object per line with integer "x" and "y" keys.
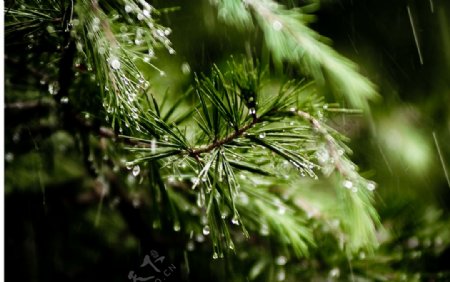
{"x": 246, "y": 163}
{"x": 290, "y": 39}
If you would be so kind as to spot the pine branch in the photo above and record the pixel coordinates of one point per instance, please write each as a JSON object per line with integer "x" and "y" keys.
{"x": 289, "y": 39}
{"x": 195, "y": 152}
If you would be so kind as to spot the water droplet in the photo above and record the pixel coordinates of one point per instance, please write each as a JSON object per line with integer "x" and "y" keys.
{"x": 101, "y": 50}
{"x": 371, "y": 186}
{"x": 114, "y": 63}
{"x": 235, "y": 220}
{"x": 140, "y": 16}
{"x": 231, "y": 245}
{"x": 281, "y": 260}
{"x": 176, "y": 226}
{"x": 262, "y": 135}
{"x": 64, "y": 100}
{"x": 162, "y": 73}
{"x": 153, "y": 145}
{"x": 252, "y": 111}
{"x": 292, "y": 109}
{"x": 167, "y": 31}
{"x": 281, "y": 275}
{"x": 413, "y": 242}
{"x": 171, "y": 179}
{"x": 335, "y": 272}
{"x": 53, "y": 88}
{"x": 185, "y": 68}
{"x": 206, "y": 230}
{"x": 277, "y": 25}
{"x": 244, "y": 198}
{"x": 199, "y": 238}
{"x": 281, "y": 209}
{"x": 190, "y": 245}
{"x": 9, "y": 157}
{"x": 348, "y": 184}
{"x": 136, "y": 170}
{"x": 171, "y": 51}
{"x": 215, "y": 256}
{"x": 264, "y": 231}
{"x": 146, "y": 13}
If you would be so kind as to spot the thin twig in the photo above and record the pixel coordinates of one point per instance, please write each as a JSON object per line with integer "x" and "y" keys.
{"x": 197, "y": 151}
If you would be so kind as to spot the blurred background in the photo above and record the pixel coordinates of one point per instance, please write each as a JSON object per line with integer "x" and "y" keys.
{"x": 54, "y": 230}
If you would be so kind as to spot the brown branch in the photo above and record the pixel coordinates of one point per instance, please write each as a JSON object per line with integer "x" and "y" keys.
{"x": 197, "y": 151}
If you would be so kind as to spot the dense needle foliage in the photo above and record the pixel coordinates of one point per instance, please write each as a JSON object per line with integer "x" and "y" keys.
{"x": 234, "y": 167}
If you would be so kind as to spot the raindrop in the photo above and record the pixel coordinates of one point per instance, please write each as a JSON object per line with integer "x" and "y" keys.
{"x": 281, "y": 275}
{"x": 235, "y": 220}
{"x": 244, "y": 198}
{"x": 185, "y": 68}
{"x": 190, "y": 246}
{"x": 277, "y": 25}
{"x": 101, "y": 50}
{"x": 64, "y": 100}
{"x": 413, "y": 242}
{"x": 136, "y": 202}
{"x": 335, "y": 272}
{"x": 136, "y": 170}
{"x": 146, "y": 13}
{"x": 171, "y": 51}
{"x": 115, "y": 63}
{"x": 281, "y": 260}
{"x": 252, "y": 111}
{"x": 199, "y": 238}
{"x": 281, "y": 209}
{"x": 160, "y": 33}
{"x": 264, "y": 231}
{"x": 162, "y": 73}
{"x": 9, "y": 157}
{"x": 371, "y": 186}
{"x": 167, "y": 31}
{"x": 140, "y": 16}
{"x": 153, "y": 145}
{"x": 176, "y": 227}
{"x": 362, "y": 255}
{"x": 348, "y": 184}
{"x": 50, "y": 29}
{"x": 292, "y": 109}
{"x": 262, "y": 135}
{"x": 206, "y": 230}
{"x": 138, "y": 41}
{"x": 215, "y": 256}
{"x": 53, "y": 88}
